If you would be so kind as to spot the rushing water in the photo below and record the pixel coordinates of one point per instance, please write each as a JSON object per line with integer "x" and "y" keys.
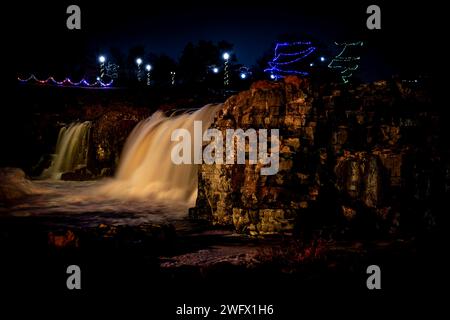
{"x": 79, "y": 203}
{"x": 148, "y": 187}
{"x": 71, "y": 150}
{"x": 146, "y": 169}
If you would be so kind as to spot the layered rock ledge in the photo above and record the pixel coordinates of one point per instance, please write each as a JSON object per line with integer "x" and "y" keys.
{"x": 345, "y": 156}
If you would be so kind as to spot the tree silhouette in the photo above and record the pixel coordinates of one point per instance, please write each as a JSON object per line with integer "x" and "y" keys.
{"x": 196, "y": 59}
{"x": 162, "y": 66}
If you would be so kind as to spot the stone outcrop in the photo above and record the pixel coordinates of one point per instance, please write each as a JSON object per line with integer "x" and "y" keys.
{"x": 354, "y": 149}
{"x": 233, "y": 194}
{"x": 359, "y": 176}
{"x": 108, "y": 135}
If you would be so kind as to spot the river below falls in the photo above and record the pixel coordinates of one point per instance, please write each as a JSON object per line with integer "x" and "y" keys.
{"x": 82, "y": 203}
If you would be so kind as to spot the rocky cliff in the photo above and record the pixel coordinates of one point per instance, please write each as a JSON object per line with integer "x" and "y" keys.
{"x": 345, "y": 158}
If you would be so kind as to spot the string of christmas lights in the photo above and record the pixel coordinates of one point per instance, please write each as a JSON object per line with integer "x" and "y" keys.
{"x": 346, "y": 64}
{"x": 51, "y": 80}
{"x": 278, "y": 69}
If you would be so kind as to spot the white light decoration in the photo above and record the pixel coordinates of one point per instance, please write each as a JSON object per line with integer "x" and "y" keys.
{"x": 226, "y": 73}
{"x": 345, "y": 63}
{"x": 148, "y": 67}
{"x": 243, "y": 76}
{"x": 66, "y": 82}
{"x": 139, "y": 69}
{"x": 216, "y": 70}
{"x": 322, "y": 59}
{"x": 102, "y": 60}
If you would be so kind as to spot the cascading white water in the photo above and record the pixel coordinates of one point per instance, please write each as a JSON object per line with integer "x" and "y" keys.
{"x": 71, "y": 150}
{"x": 145, "y": 167}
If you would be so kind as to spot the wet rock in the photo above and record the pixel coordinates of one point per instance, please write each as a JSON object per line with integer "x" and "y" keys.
{"x": 80, "y": 174}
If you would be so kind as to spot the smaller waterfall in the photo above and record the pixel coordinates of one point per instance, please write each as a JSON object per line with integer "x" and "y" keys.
{"x": 71, "y": 150}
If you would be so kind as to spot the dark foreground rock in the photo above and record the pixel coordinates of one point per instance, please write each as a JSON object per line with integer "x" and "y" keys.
{"x": 192, "y": 260}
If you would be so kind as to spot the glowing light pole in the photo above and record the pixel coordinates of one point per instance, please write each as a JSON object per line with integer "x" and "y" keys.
{"x": 139, "y": 69}
{"x": 226, "y": 72}
{"x": 102, "y": 61}
{"x": 172, "y": 77}
{"x": 148, "y": 68}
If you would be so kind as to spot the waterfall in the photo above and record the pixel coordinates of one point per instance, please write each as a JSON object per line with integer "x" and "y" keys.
{"x": 71, "y": 150}
{"x": 145, "y": 167}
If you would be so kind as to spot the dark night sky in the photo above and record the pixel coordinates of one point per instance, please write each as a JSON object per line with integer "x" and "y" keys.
{"x": 40, "y": 36}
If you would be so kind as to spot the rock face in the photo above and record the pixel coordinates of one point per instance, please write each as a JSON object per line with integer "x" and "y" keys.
{"x": 359, "y": 176}
{"x": 345, "y": 153}
{"x": 108, "y": 135}
{"x": 238, "y": 194}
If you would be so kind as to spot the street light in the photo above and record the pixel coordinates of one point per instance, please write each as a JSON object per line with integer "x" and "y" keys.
{"x": 226, "y": 75}
{"x": 148, "y": 68}
{"x": 172, "y": 77}
{"x": 139, "y": 70}
{"x": 102, "y": 60}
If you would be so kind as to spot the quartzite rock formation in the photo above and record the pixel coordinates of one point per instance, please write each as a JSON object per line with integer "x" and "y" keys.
{"x": 348, "y": 148}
